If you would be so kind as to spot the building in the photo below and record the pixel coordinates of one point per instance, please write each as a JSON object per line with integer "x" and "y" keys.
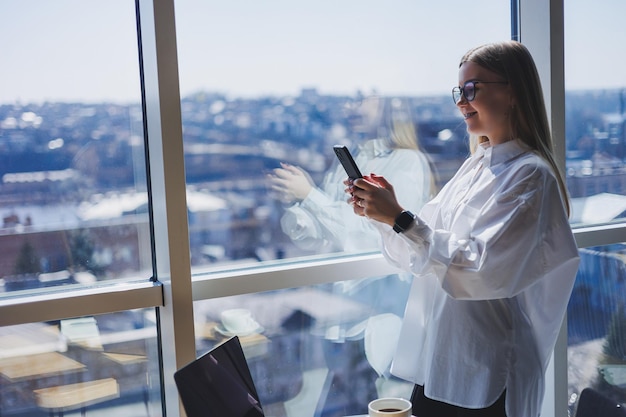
{"x": 290, "y": 295}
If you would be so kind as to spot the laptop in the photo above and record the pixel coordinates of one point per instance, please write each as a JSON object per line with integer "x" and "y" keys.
{"x": 219, "y": 384}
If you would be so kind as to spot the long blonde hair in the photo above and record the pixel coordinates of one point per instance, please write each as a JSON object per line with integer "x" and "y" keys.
{"x": 397, "y": 124}
{"x": 528, "y": 117}
{"x": 397, "y": 128}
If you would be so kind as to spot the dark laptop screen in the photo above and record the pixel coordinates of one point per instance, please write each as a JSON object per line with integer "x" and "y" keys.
{"x": 219, "y": 384}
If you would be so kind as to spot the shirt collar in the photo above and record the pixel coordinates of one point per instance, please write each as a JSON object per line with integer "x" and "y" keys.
{"x": 374, "y": 148}
{"x": 497, "y": 154}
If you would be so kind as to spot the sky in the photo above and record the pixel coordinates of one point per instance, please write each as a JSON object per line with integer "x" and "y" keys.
{"x": 76, "y": 50}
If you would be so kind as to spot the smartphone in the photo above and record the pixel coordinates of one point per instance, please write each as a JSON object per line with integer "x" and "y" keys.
{"x": 344, "y": 156}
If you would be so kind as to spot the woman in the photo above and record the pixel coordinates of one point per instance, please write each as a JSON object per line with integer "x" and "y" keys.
{"x": 493, "y": 254}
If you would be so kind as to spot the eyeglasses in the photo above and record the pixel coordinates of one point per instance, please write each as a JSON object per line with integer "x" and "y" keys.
{"x": 469, "y": 90}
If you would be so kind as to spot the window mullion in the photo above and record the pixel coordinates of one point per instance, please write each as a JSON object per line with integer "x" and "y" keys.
{"x": 167, "y": 190}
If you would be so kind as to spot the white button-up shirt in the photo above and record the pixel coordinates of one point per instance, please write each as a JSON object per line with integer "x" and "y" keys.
{"x": 324, "y": 221}
{"x": 495, "y": 261}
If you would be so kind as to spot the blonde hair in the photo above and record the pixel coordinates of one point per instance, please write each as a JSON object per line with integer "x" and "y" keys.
{"x": 397, "y": 128}
{"x": 528, "y": 121}
{"x": 397, "y": 124}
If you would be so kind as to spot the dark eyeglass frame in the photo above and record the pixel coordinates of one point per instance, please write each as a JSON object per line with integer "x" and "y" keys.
{"x": 458, "y": 92}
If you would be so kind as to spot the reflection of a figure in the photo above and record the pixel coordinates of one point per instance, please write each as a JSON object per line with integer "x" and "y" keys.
{"x": 320, "y": 219}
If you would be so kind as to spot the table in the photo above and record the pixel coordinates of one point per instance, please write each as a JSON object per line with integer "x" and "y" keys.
{"x": 37, "y": 366}
{"x": 80, "y": 395}
{"x": 125, "y": 358}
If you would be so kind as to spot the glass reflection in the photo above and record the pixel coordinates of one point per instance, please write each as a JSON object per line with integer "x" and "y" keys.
{"x": 73, "y": 191}
{"x": 319, "y": 219}
{"x": 325, "y": 349}
{"x": 108, "y": 361}
{"x": 236, "y": 217}
{"x": 291, "y": 92}
{"x": 596, "y": 324}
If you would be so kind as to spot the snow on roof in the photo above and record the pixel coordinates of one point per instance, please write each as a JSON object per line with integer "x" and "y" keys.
{"x": 116, "y": 205}
{"x": 599, "y": 208}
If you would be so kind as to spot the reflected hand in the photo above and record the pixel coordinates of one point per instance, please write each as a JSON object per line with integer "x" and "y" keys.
{"x": 373, "y": 196}
{"x": 291, "y": 183}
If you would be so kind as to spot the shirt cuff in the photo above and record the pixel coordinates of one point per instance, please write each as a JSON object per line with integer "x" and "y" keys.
{"x": 418, "y": 231}
{"x": 315, "y": 198}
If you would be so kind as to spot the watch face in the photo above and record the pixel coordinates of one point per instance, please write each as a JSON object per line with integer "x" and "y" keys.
{"x": 403, "y": 221}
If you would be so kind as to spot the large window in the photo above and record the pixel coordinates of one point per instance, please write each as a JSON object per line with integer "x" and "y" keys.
{"x": 108, "y": 361}
{"x": 96, "y": 256}
{"x": 73, "y": 192}
{"x": 597, "y": 325}
{"x": 266, "y": 91}
{"x": 595, "y": 112}
{"x": 595, "y": 92}
{"x": 74, "y": 206}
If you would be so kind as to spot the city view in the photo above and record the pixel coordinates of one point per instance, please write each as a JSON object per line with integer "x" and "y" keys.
{"x": 263, "y": 86}
{"x": 75, "y": 205}
{"x": 74, "y": 194}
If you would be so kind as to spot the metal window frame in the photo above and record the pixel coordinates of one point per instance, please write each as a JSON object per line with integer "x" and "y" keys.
{"x": 540, "y": 27}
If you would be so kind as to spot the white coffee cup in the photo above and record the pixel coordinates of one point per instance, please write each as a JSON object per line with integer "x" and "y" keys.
{"x": 238, "y": 320}
{"x": 390, "y": 407}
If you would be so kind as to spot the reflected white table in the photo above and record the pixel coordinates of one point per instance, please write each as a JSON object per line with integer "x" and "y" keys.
{"x": 30, "y": 339}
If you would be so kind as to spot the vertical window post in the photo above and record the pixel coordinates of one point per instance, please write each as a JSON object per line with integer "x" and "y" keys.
{"x": 172, "y": 263}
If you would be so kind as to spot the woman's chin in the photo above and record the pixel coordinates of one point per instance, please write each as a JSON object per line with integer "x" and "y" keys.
{"x": 473, "y": 131}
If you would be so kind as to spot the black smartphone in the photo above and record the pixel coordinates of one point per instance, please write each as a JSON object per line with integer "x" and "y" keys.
{"x": 344, "y": 156}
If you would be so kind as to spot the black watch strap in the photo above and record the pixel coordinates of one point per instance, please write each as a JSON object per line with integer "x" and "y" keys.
{"x": 403, "y": 221}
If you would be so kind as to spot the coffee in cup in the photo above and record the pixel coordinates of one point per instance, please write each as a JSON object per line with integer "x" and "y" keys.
{"x": 390, "y": 407}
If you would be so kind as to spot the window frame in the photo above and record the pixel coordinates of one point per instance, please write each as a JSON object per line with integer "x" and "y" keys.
{"x": 538, "y": 21}
{"x": 542, "y": 30}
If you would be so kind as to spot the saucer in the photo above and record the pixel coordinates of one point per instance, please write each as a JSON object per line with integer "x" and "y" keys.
{"x": 243, "y": 332}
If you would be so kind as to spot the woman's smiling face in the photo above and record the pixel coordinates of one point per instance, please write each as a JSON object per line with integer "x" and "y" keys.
{"x": 488, "y": 114}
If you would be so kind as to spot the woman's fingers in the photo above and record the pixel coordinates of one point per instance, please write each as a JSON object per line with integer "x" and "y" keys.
{"x": 277, "y": 182}
{"x": 357, "y": 206}
{"x": 364, "y": 184}
{"x": 381, "y": 181}
{"x": 361, "y": 193}
{"x": 292, "y": 169}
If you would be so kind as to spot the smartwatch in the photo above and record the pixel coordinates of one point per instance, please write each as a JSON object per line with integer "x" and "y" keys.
{"x": 403, "y": 221}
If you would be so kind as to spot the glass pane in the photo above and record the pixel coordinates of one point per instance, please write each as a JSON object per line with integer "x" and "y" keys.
{"x": 276, "y": 82}
{"x": 264, "y": 84}
{"x": 108, "y": 362}
{"x": 322, "y": 350}
{"x": 596, "y": 324}
{"x": 73, "y": 194}
{"x": 595, "y": 110}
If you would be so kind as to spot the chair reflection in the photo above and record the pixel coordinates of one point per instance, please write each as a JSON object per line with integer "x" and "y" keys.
{"x": 315, "y": 386}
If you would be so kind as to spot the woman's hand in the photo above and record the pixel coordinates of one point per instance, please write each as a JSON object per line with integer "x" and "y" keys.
{"x": 373, "y": 196}
{"x": 291, "y": 183}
